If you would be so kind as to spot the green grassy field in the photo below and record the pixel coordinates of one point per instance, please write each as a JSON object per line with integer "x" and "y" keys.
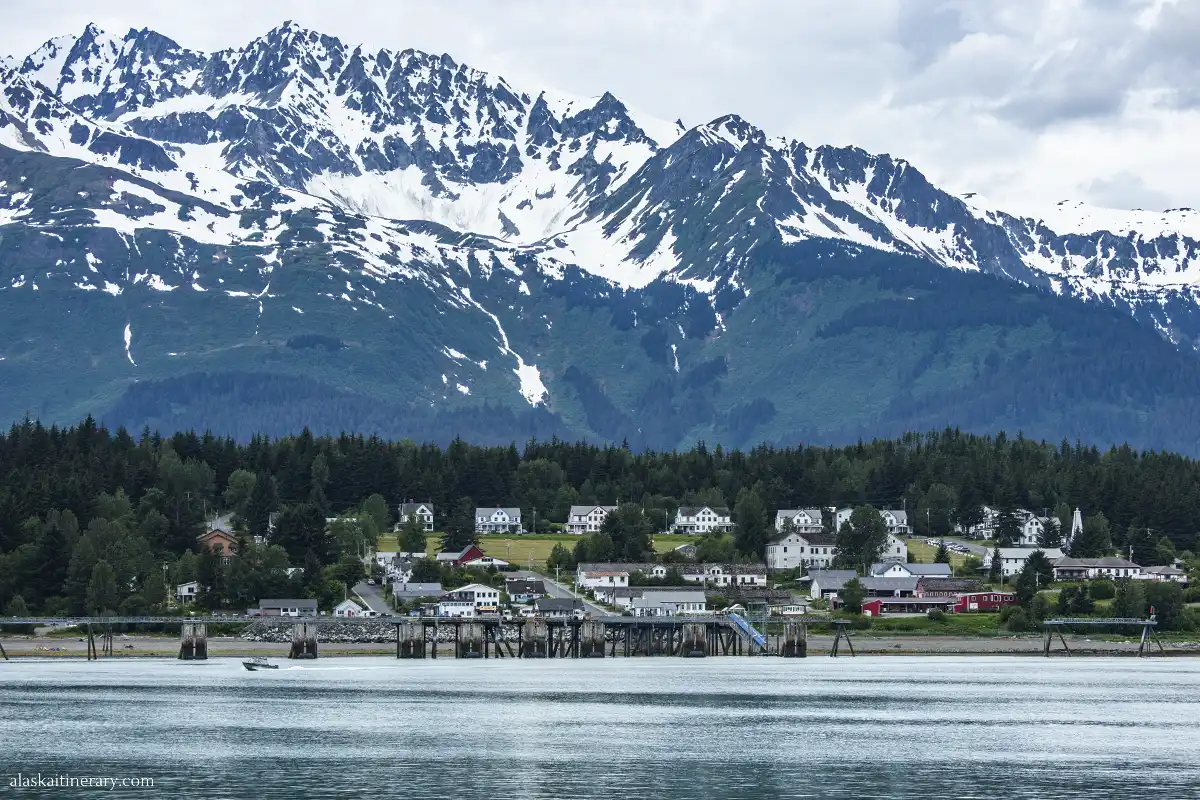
{"x": 925, "y": 553}
{"x": 518, "y": 549}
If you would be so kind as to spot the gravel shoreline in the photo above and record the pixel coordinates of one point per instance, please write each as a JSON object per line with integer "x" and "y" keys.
{"x": 342, "y": 643}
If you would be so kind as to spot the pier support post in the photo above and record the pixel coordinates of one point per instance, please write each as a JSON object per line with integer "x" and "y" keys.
{"x": 468, "y": 640}
{"x": 534, "y": 639}
{"x": 2, "y": 653}
{"x": 193, "y": 641}
{"x": 304, "y": 640}
{"x": 92, "y": 655}
{"x": 841, "y": 634}
{"x": 695, "y": 640}
{"x": 795, "y": 640}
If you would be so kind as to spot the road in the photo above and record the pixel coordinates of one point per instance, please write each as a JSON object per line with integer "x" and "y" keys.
{"x": 373, "y": 597}
{"x": 976, "y": 549}
{"x": 558, "y": 590}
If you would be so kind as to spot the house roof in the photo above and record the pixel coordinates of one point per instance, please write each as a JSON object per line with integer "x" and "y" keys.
{"x": 832, "y": 579}
{"x": 792, "y": 513}
{"x": 583, "y": 511}
{"x": 473, "y": 587}
{"x": 287, "y": 603}
{"x": 901, "y": 517}
{"x": 616, "y": 566}
{"x": 691, "y": 511}
{"x": 449, "y": 556}
{"x": 821, "y": 539}
{"x": 908, "y": 584}
{"x": 417, "y": 589}
{"x": 649, "y": 599}
{"x": 1024, "y": 552}
{"x": 557, "y": 604}
{"x": 348, "y": 604}
{"x": 524, "y": 586}
{"x": 408, "y": 508}
{"x": 931, "y": 570}
{"x": 487, "y": 512}
{"x": 965, "y": 585}
{"x": 1109, "y": 562}
{"x": 1163, "y": 570}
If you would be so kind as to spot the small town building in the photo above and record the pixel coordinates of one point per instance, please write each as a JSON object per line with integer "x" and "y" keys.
{"x": 557, "y": 607}
{"x": 900, "y": 569}
{"x": 288, "y": 608}
{"x": 1166, "y": 574}
{"x": 485, "y": 599}
{"x": 221, "y": 542}
{"x": 890, "y": 587}
{"x": 1085, "y": 569}
{"x": 187, "y": 592}
{"x": 348, "y": 608}
{"x": 421, "y": 511}
{"x": 523, "y": 590}
{"x": 483, "y": 562}
{"x": 461, "y": 557}
{"x": 878, "y": 606}
{"x": 946, "y": 587}
{"x": 827, "y": 582}
{"x": 983, "y": 601}
{"x": 595, "y": 579}
{"x": 498, "y": 520}
{"x": 587, "y": 519}
{"x": 407, "y": 592}
{"x": 793, "y": 549}
{"x": 804, "y": 520}
{"x": 1012, "y": 559}
{"x": 670, "y": 603}
{"x": 702, "y": 519}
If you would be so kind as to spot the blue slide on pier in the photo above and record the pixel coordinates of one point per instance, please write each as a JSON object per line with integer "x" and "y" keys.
{"x": 748, "y": 631}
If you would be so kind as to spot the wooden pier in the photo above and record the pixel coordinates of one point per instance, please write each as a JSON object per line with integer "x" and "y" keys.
{"x": 304, "y": 640}
{"x": 193, "y": 641}
{"x": 1054, "y": 627}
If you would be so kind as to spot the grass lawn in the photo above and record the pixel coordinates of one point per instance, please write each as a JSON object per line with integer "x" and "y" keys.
{"x": 950, "y": 625}
{"x": 925, "y": 553}
{"x": 518, "y": 549}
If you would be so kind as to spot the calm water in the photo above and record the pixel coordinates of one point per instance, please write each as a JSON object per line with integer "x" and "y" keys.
{"x": 886, "y": 727}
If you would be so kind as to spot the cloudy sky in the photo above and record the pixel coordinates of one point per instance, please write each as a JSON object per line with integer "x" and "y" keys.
{"x": 1025, "y": 101}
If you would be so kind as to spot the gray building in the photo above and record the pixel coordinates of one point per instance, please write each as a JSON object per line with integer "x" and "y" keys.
{"x": 287, "y": 608}
{"x": 409, "y": 592}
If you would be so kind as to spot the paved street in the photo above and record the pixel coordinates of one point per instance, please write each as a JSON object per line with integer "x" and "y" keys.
{"x": 559, "y": 590}
{"x": 373, "y": 597}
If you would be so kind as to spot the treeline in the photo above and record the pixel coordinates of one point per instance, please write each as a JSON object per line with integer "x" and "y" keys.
{"x": 140, "y": 501}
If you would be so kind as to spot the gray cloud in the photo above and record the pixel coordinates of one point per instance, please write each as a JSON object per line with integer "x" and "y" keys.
{"x": 1125, "y": 189}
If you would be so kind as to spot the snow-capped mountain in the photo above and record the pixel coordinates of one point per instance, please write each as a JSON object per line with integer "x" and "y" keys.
{"x": 221, "y": 172}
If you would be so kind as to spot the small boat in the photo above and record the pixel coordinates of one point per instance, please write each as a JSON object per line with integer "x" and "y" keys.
{"x": 258, "y": 662}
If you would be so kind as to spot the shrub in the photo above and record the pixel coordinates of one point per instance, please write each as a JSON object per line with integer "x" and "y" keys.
{"x": 1102, "y": 590}
{"x": 1191, "y": 594}
{"x": 937, "y": 615}
{"x": 1017, "y": 620}
{"x": 1005, "y": 613}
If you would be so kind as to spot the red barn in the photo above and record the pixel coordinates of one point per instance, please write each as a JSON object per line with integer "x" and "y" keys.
{"x": 984, "y": 601}
{"x": 462, "y": 556}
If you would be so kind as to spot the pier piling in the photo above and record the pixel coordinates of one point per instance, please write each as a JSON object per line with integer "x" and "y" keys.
{"x": 795, "y": 640}
{"x": 193, "y": 641}
{"x": 304, "y": 640}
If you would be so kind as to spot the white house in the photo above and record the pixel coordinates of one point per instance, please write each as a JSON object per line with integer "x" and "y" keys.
{"x": 585, "y": 571}
{"x": 602, "y": 578}
{"x": 1164, "y": 574}
{"x": 702, "y": 519}
{"x": 483, "y": 598}
{"x": 790, "y": 550}
{"x": 1071, "y": 569}
{"x": 498, "y": 520}
{"x": 348, "y": 608}
{"x": 828, "y": 582}
{"x": 670, "y": 603}
{"x": 587, "y": 519}
{"x": 1012, "y": 559}
{"x": 1032, "y": 528}
{"x": 456, "y": 607}
{"x": 899, "y": 569}
{"x": 744, "y": 575}
{"x": 804, "y": 520}
{"x": 896, "y": 550}
{"x": 422, "y": 511}
{"x": 896, "y": 521}
{"x": 483, "y": 562}
{"x": 186, "y": 592}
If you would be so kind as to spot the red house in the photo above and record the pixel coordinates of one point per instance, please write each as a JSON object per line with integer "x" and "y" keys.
{"x": 984, "y": 601}
{"x": 461, "y": 557}
{"x": 223, "y": 543}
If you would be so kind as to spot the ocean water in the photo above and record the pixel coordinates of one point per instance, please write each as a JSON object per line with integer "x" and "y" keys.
{"x": 883, "y": 727}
